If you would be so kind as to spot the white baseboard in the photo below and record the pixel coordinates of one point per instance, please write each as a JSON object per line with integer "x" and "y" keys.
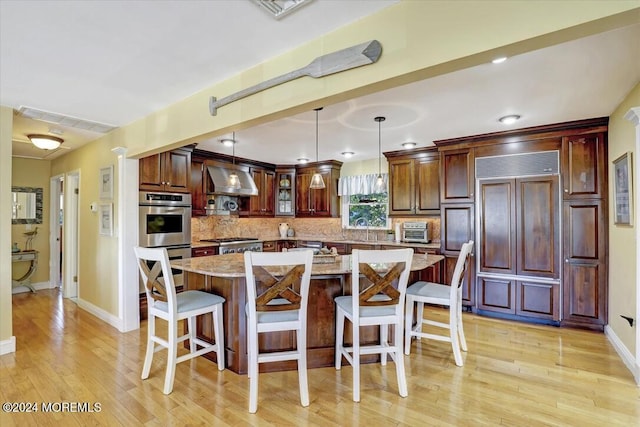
{"x": 37, "y": 286}
{"x": 100, "y": 313}
{"x": 626, "y": 356}
{"x": 8, "y": 346}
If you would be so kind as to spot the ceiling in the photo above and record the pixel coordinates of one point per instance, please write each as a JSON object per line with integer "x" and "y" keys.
{"x": 102, "y": 62}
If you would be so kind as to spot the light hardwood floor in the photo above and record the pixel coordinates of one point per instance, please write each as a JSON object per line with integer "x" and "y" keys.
{"x": 514, "y": 374}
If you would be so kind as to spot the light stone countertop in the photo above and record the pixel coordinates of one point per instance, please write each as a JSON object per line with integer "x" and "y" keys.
{"x": 432, "y": 245}
{"x": 232, "y": 265}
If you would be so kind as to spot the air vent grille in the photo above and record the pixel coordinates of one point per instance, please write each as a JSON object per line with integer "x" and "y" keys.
{"x": 59, "y": 119}
{"x": 528, "y": 164}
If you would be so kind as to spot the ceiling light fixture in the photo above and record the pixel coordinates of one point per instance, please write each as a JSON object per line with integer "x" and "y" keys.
{"x": 408, "y": 145}
{"x": 227, "y": 142}
{"x": 45, "y": 142}
{"x": 317, "y": 183}
{"x": 379, "y": 181}
{"x": 303, "y": 160}
{"x": 348, "y": 154}
{"x": 233, "y": 180}
{"x": 499, "y": 60}
{"x": 510, "y": 119}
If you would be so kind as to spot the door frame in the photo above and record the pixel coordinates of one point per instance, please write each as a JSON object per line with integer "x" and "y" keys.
{"x": 70, "y": 225}
{"x": 55, "y": 232}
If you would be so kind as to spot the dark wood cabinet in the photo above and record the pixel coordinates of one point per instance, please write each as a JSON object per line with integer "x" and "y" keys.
{"x": 342, "y": 248}
{"x": 414, "y": 185}
{"x": 584, "y": 166}
{"x": 286, "y": 244}
{"x": 457, "y": 176}
{"x": 263, "y": 203}
{"x": 270, "y": 246}
{"x": 204, "y": 251}
{"x": 585, "y": 262}
{"x": 321, "y": 202}
{"x": 285, "y": 191}
{"x": 458, "y": 227}
{"x": 198, "y": 188}
{"x": 169, "y": 171}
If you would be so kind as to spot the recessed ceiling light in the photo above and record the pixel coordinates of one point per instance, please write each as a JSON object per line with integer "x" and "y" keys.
{"x": 499, "y": 60}
{"x": 509, "y": 120}
{"x": 227, "y": 142}
{"x": 348, "y": 154}
{"x": 303, "y": 160}
{"x": 408, "y": 145}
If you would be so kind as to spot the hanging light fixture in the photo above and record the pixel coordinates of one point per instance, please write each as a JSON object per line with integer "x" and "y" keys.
{"x": 380, "y": 187}
{"x": 233, "y": 180}
{"x": 45, "y": 142}
{"x": 317, "y": 183}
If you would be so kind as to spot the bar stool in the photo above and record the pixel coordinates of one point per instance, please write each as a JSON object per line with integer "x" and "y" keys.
{"x": 163, "y": 302}
{"x": 280, "y": 306}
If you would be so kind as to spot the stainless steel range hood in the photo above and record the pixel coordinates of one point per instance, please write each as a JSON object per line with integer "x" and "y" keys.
{"x": 220, "y": 175}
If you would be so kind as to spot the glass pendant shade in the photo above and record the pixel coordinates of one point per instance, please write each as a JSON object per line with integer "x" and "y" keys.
{"x": 380, "y": 186}
{"x": 233, "y": 180}
{"x": 317, "y": 183}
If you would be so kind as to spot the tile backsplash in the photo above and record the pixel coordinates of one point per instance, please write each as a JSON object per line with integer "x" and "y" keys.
{"x": 219, "y": 226}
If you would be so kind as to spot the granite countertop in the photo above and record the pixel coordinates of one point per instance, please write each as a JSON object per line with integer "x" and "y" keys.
{"x": 232, "y": 265}
{"x": 432, "y": 245}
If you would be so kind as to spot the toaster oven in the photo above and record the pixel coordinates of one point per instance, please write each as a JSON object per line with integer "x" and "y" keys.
{"x": 416, "y": 232}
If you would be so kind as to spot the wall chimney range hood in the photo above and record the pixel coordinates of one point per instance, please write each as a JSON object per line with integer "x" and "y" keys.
{"x": 220, "y": 177}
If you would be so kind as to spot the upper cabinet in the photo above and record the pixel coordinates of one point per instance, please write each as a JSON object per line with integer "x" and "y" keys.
{"x": 583, "y": 166}
{"x": 318, "y": 203}
{"x": 198, "y": 186}
{"x": 458, "y": 176}
{"x": 169, "y": 171}
{"x": 414, "y": 185}
{"x": 262, "y": 204}
{"x": 285, "y": 191}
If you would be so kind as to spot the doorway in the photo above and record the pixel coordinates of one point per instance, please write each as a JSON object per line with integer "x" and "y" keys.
{"x": 56, "y": 220}
{"x": 64, "y": 237}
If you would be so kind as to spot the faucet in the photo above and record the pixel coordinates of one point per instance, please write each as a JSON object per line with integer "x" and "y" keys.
{"x": 366, "y": 224}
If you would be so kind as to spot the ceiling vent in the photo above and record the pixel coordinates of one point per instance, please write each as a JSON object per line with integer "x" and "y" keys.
{"x": 59, "y": 119}
{"x": 280, "y": 8}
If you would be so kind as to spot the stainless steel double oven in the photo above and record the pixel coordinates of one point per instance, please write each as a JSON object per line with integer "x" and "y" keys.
{"x": 165, "y": 221}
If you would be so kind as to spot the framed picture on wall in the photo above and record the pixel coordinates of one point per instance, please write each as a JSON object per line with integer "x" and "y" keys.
{"x": 106, "y": 218}
{"x": 623, "y": 189}
{"x": 106, "y": 182}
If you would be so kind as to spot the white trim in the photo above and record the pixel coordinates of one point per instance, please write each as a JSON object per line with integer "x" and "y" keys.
{"x": 100, "y": 313}
{"x": 624, "y": 353}
{"x": 8, "y": 346}
{"x": 37, "y": 286}
{"x": 54, "y": 229}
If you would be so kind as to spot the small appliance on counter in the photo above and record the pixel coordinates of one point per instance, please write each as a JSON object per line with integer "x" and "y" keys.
{"x": 416, "y": 232}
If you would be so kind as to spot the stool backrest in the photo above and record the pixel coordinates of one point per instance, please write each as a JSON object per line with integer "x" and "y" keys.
{"x": 155, "y": 271}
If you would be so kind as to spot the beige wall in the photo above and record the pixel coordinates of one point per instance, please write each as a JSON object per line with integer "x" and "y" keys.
{"x": 6, "y": 129}
{"x": 622, "y": 243}
{"x": 420, "y": 40}
{"x": 98, "y": 254}
{"x": 33, "y": 173}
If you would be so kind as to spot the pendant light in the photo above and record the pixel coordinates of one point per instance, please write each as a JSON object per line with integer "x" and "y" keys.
{"x": 317, "y": 183}
{"x": 233, "y": 180}
{"x": 380, "y": 187}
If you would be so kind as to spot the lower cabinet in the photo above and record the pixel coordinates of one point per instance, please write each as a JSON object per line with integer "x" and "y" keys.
{"x": 288, "y": 244}
{"x": 519, "y": 297}
{"x": 269, "y": 246}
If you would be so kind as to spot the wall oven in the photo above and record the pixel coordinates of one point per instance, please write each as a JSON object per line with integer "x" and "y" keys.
{"x": 165, "y": 221}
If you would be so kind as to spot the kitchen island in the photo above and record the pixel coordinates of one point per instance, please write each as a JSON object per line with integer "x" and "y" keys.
{"x": 224, "y": 275}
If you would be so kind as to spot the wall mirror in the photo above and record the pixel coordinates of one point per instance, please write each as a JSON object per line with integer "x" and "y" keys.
{"x": 26, "y": 205}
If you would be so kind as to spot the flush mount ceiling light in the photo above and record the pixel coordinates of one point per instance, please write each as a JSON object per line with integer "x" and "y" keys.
{"x": 408, "y": 145}
{"x": 280, "y": 8}
{"x": 233, "y": 180}
{"x": 499, "y": 60}
{"x": 347, "y": 154}
{"x": 317, "y": 183}
{"x": 227, "y": 142}
{"x": 303, "y": 160}
{"x": 45, "y": 142}
{"x": 379, "y": 181}
{"x": 509, "y": 120}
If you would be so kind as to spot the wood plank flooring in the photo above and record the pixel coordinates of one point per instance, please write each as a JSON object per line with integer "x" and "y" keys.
{"x": 514, "y": 375}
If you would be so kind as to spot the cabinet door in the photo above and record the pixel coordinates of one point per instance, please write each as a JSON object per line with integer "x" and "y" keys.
{"x": 268, "y": 193}
{"x": 427, "y": 186}
{"x": 541, "y": 300}
{"x": 584, "y": 275}
{"x": 497, "y": 246}
{"x": 469, "y": 285}
{"x": 458, "y": 176}
{"x": 303, "y": 201}
{"x": 401, "y": 187}
{"x": 321, "y": 199}
{"x": 497, "y": 294}
{"x": 538, "y": 222}
{"x": 262, "y": 204}
{"x": 177, "y": 171}
{"x": 198, "y": 192}
{"x": 457, "y": 228}
{"x": 583, "y": 166}
{"x": 150, "y": 173}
